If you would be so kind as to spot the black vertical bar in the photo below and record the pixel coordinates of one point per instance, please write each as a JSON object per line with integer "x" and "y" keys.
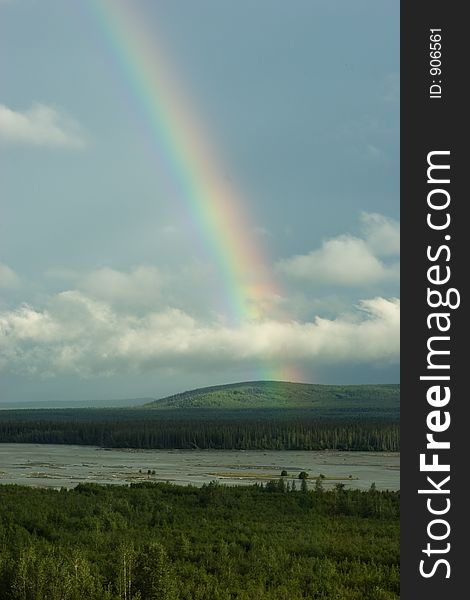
{"x": 434, "y": 119}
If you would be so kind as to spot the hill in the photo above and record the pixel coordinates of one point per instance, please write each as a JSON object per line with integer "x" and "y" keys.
{"x": 257, "y": 395}
{"x": 266, "y": 415}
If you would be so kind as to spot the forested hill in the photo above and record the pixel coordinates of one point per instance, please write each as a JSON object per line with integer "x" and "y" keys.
{"x": 244, "y": 416}
{"x": 279, "y": 394}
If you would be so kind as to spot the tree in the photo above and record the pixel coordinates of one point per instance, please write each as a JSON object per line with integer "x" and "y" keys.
{"x": 154, "y": 577}
{"x": 125, "y": 579}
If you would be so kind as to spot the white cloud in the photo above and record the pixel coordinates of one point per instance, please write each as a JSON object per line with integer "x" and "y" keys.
{"x": 76, "y": 334}
{"x": 382, "y": 234}
{"x": 144, "y": 287}
{"x": 139, "y": 287}
{"x": 8, "y": 278}
{"x": 348, "y": 260}
{"x": 40, "y": 125}
{"x": 345, "y": 260}
{"x": 113, "y": 321}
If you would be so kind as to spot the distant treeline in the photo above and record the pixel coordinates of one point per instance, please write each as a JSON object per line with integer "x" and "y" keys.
{"x": 164, "y": 542}
{"x": 256, "y": 431}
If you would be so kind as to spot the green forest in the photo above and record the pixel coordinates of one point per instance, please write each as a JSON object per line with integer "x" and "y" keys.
{"x": 160, "y": 541}
{"x": 269, "y": 415}
{"x": 325, "y": 399}
{"x": 254, "y": 430}
{"x": 278, "y": 541}
{"x": 243, "y": 416}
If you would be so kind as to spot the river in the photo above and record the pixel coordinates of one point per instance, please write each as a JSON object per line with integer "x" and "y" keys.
{"x": 50, "y": 465}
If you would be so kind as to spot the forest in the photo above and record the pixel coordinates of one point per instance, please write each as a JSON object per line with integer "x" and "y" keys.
{"x": 154, "y": 541}
{"x": 259, "y": 415}
{"x": 279, "y": 541}
{"x": 203, "y": 429}
{"x": 283, "y": 394}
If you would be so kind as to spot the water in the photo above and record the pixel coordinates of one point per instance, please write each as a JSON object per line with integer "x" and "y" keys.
{"x": 51, "y": 465}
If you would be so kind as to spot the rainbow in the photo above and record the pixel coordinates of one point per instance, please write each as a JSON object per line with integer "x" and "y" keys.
{"x": 215, "y": 210}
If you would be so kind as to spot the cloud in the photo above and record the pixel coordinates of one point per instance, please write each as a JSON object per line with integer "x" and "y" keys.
{"x": 348, "y": 260}
{"x": 382, "y": 234}
{"x": 345, "y": 260}
{"x": 151, "y": 319}
{"x": 77, "y": 334}
{"x": 140, "y": 287}
{"x": 41, "y": 125}
{"x": 145, "y": 287}
{"x": 8, "y": 278}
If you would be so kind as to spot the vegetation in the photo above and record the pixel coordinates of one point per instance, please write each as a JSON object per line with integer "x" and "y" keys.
{"x": 159, "y": 541}
{"x": 255, "y": 430}
{"x": 281, "y": 394}
{"x": 245, "y": 416}
{"x": 281, "y": 541}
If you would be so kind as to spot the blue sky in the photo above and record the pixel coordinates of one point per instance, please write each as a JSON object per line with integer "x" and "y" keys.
{"x": 104, "y": 290}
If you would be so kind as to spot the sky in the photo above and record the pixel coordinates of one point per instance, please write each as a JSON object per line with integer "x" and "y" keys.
{"x": 197, "y": 193}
